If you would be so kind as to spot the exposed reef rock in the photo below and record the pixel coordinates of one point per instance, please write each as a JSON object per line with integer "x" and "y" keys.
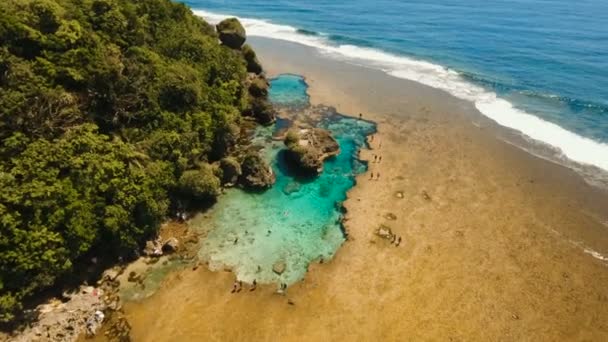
{"x": 308, "y": 148}
{"x": 231, "y": 33}
{"x": 279, "y": 267}
{"x": 253, "y": 64}
{"x": 80, "y": 312}
{"x": 256, "y": 174}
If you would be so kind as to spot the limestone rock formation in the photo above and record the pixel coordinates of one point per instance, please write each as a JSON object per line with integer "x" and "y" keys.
{"x": 253, "y": 64}
{"x": 256, "y": 174}
{"x": 231, "y": 171}
{"x": 262, "y": 111}
{"x": 259, "y": 86}
{"x": 308, "y": 148}
{"x": 231, "y": 33}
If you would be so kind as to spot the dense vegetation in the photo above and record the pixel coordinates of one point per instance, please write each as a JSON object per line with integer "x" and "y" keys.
{"x": 110, "y": 111}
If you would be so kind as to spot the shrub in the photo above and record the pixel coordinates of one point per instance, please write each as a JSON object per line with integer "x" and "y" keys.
{"x": 200, "y": 185}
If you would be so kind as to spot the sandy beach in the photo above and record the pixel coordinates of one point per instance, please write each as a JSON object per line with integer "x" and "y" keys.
{"x": 497, "y": 243}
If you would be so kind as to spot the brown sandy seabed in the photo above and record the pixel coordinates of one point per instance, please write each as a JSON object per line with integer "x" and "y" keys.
{"x": 497, "y": 253}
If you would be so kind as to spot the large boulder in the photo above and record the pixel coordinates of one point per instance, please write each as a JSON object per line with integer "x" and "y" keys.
{"x": 253, "y": 64}
{"x": 225, "y": 141}
{"x": 256, "y": 174}
{"x": 308, "y": 149}
{"x": 231, "y": 33}
{"x": 262, "y": 111}
{"x": 258, "y": 87}
{"x": 231, "y": 171}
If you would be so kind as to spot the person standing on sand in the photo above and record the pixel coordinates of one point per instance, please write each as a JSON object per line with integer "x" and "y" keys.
{"x": 379, "y": 159}
{"x": 254, "y": 285}
{"x": 377, "y": 175}
{"x": 375, "y": 158}
{"x": 360, "y": 116}
{"x": 234, "y": 287}
{"x": 371, "y": 176}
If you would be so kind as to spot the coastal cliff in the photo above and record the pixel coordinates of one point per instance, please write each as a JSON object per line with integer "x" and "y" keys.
{"x": 115, "y": 115}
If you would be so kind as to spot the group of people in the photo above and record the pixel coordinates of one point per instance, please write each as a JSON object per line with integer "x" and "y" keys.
{"x": 238, "y": 286}
{"x": 377, "y": 159}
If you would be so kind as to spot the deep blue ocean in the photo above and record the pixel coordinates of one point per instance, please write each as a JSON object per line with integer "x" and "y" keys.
{"x": 538, "y": 66}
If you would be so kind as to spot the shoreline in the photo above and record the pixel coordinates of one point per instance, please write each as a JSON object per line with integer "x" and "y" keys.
{"x": 490, "y": 245}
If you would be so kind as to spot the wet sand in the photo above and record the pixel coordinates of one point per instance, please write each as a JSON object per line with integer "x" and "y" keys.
{"x": 493, "y": 246}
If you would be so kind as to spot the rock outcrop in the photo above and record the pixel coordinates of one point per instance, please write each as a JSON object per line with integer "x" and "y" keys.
{"x": 259, "y": 87}
{"x": 153, "y": 248}
{"x": 262, "y": 111}
{"x": 259, "y": 107}
{"x": 171, "y": 245}
{"x": 231, "y": 171}
{"x": 256, "y": 174}
{"x": 308, "y": 148}
{"x": 231, "y": 33}
{"x": 253, "y": 64}
{"x": 81, "y": 312}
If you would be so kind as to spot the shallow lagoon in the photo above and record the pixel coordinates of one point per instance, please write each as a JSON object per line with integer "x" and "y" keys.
{"x": 297, "y": 221}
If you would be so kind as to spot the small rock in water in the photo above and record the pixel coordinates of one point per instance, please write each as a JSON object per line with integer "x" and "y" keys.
{"x": 279, "y": 267}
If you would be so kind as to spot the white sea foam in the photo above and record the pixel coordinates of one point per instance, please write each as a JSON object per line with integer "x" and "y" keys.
{"x": 596, "y": 255}
{"x": 573, "y": 146}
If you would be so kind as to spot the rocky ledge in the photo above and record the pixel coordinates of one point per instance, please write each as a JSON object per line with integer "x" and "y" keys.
{"x": 308, "y": 148}
{"x": 256, "y": 174}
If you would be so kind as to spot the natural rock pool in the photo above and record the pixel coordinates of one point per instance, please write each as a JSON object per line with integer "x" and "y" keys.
{"x": 295, "y": 222}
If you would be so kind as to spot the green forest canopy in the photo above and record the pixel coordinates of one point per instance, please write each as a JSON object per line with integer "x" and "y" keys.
{"x": 107, "y": 107}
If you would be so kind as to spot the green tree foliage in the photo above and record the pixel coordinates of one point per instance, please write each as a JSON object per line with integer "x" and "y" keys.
{"x": 106, "y": 108}
{"x": 200, "y": 185}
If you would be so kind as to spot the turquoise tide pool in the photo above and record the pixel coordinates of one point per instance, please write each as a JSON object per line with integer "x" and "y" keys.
{"x": 297, "y": 221}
